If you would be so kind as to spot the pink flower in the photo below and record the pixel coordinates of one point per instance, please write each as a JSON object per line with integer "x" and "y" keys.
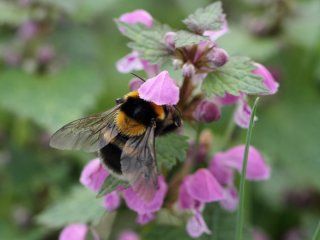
{"x": 128, "y": 235}
{"x": 111, "y": 201}
{"x": 144, "y": 209}
{"x": 257, "y": 169}
{"x": 77, "y": 231}
{"x": 137, "y": 16}
{"x": 129, "y": 63}
{"x": 145, "y": 218}
{"x": 268, "y": 79}
{"x": 135, "y": 83}
{"x": 27, "y": 30}
{"x": 161, "y": 89}
{"x": 231, "y": 200}
{"x": 196, "y": 226}
{"x": 242, "y": 114}
{"x": 203, "y": 187}
{"x": 207, "y": 111}
{"x": 227, "y": 99}
{"x": 215, "y": 34}
{"x": 93, "y": 175}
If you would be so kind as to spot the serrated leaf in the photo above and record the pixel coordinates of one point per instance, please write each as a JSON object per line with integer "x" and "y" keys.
{"x": 80, "y": 206}
{"x": 149, "y": 42}
{"x": 170, "y": 149}
{"x": 50, "y": 100}
{"x": 234, "y": 77}
{"x": 208, "y": 18}
{"x": 110, "y": 184}
{"x": 184, "y": 38}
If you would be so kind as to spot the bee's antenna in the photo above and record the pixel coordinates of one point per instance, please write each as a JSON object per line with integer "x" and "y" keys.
{"x": 177, "y": 109}
{"x": 138, "y": 76}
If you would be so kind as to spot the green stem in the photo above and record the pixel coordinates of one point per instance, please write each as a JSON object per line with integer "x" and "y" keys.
{"x": 316, "y": 235}
{"x": 240, "y": 213}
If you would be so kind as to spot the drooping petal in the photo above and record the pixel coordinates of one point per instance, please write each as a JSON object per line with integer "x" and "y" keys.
{"x": 203, "y": 187}
{"x": 214, "y": 35}
{"x": 220, "y": 171}
{"x": 242, "y": 114}
{"x": 230, "y": 203}
{"x": 93, "y": 175}
{"x": 141, "y": 207}
{"x": 227, "y": 99}
{"x": 161, "y": 89}
{"x": 196, "y": 226}
{"x": 268, "y": 79}
{"x": 151, "y": 69}
{"x": 257, "y": 169}
{"x": 137, "y": 16}
{"x": 145, "y": 218}
{"x": 111, "y": 201}
{"x": 135, "y": 83}
{"x": 74, "y": 232}
{"x": 129, "y": 63}
{"x": 185, "y": 201}
{"x": 128, "y": 235}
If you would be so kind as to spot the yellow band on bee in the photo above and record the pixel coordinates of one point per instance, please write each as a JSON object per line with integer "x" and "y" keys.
{"x": 129, "y": 126}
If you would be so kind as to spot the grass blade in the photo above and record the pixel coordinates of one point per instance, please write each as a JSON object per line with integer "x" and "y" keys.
{"x": 240, "y": 213}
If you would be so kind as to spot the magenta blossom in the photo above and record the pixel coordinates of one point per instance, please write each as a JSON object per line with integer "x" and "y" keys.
{"x": 137, "y": 16}
{"x": 111, "y": 201}
{"x": 77, "y": 231}
{"x": 196, "y": 190}
{"x": 242, "y": 114}
{"x": 161, "y": 89}
{"x": 93, "y": 175}
{"x": 135, "y": 83}
{"x": 128, "y": 235}
{"x": 144, "y": 209}
{"x": 267, "y": 77}
{"x": 223, "y": 164}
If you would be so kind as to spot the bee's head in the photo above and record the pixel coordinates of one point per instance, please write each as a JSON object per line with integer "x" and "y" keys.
{"x": 175, "y": 115}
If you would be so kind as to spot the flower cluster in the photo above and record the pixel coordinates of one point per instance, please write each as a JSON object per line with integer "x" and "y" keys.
{"x": 205, "y": 176}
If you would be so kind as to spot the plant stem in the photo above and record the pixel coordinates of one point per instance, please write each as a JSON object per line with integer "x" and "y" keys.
{"x": 240, "y": 213}
{"x": 316, "y": 235}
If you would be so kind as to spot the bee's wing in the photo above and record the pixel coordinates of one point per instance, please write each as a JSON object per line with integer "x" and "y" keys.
{"x": 88, "y": 134}
{"x": 138, "y": 164}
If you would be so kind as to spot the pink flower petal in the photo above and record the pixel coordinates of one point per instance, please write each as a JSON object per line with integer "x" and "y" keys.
{"x": 111, "y": 201}
{"x": 220, "y": 171}
{"x": 196, "y": 226}
{"x": 214, "y": 35}
{"x": 227, "y": 99}
{"x": 128, "y": 235}
{"x": 74, "y": 232}
{"x": 151, "y": 69}
{"x": 129, "y": 63}
{"x": 141, "y": 207}
{"x": 161, "y": 89}
{"x": 145, "y": 218}
{"x": 185, "y": 201}
{"x": 242, "y": 114}
{"x": 268, "y": 79}
{"x": 230, "y": 203}
{"x": 137, "y": 16}
{"x": 93, "y": 175}
{"x": 257, "y": 169}
{"x": 203, "y": 187}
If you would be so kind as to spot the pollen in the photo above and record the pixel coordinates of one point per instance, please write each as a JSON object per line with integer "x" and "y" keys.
{"x": 129, "y": 126}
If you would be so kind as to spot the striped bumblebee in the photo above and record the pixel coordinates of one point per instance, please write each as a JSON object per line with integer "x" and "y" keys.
{"x": 124, "y": 136}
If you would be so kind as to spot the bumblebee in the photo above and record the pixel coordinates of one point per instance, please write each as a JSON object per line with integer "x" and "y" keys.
{"x": 124, "y": 137}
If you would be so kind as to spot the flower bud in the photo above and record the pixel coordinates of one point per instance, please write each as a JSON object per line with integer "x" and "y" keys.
{"x": 207, "y": 111}
{"x": 170, "y": 39}
{"x": 177, "y": 63}
{"x": 135, "y": 83}
{"x": 188, "y": 70}
{"x": 217, "y": 57}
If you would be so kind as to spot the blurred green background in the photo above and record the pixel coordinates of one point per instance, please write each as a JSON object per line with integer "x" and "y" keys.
{"x": 57, "y": 64}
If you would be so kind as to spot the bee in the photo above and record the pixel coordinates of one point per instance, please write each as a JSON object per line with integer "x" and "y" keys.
{"x": 124, "y": 137}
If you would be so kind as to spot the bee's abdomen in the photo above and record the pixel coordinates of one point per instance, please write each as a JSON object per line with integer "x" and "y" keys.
{"x": 110, "y": 156}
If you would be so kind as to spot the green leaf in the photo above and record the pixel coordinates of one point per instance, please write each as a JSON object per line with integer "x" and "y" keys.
{"x": 209, "y": 18}
{"x": 149, "y": 42}
{"x": 110, "y": 184}
{"x": 80, "y": 206}
{"x": 234, "y": 77}
{"x": 50, "y": 100}
{"x": 170, "y": 149}
{"x": 184, "y": 38}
